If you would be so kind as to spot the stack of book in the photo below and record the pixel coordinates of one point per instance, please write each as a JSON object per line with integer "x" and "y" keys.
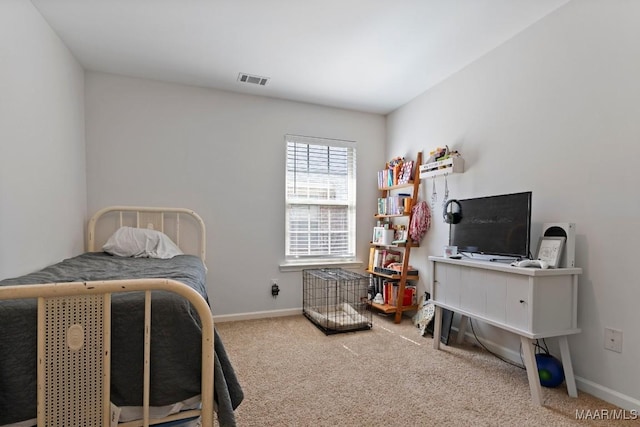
{"x": 397, "y": 172}
{"x": 389, "y": 291}
{"x": 392, "y": 205}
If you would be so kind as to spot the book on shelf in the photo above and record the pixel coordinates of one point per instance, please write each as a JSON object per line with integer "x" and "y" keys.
{"x": 398, "y": 171}
{"x": 382, "y": 258}
{"x": 394, "y": 205}
{"x": 372, "y": 258}
{"x": 391, "y": 290}
{"x": 390, "y": 176}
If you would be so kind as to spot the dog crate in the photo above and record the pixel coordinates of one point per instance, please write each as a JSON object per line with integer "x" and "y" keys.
{"x": 335, "y": 300}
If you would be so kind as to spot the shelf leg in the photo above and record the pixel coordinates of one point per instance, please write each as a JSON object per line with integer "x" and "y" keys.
{"x": 398, "y": 316}
{"x": 532, "y": 370}
{"x": 567, "y": 366}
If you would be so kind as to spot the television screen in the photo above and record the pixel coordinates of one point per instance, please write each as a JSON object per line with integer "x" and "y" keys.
{"x": 494, "y": 225}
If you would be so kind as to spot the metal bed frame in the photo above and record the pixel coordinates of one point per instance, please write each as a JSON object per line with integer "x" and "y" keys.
{"x": 74, "y": 334}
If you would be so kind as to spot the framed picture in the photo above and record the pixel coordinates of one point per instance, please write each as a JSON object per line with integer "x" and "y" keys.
{"x": 550, "y": 250}
{"x": 405, "y": 172}
{"x": 400, "y": 235}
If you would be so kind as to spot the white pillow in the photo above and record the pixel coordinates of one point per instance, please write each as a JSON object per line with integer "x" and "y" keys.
{"x": 141, "y": 242}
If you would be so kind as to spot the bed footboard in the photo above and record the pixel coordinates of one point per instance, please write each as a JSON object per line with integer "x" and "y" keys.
{"x": 74, "y": 349}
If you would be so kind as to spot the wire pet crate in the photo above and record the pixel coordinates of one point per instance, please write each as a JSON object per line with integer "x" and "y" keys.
{"x": 335, "y": 300}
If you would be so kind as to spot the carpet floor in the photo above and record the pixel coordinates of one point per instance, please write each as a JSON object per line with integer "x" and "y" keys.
{"x": 294, "y": 375}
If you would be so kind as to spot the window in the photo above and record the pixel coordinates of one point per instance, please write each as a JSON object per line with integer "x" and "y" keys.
{"x": 320, "y": 198}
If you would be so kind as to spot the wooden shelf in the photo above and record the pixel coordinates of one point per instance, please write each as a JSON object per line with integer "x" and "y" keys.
{"x": 397, "y": 187}
{"x": 396, "y": 245}
{"x": 387, "y": 309}
{"x": 392, "y": 216}
{"x": 394, "y": 276}
{"x": 400, "y": 279}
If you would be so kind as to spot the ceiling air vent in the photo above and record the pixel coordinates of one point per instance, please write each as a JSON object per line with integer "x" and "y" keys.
{"x": 256, "y": 80}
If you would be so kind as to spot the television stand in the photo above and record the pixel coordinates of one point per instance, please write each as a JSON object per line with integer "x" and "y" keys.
{"x": 532, "y": 303}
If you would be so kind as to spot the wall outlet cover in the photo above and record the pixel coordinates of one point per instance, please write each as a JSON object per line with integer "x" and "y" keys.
{"x": 613, "y": 340}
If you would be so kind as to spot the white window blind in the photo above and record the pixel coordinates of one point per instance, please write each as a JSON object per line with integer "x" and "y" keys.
{"x": 320, "y": 198}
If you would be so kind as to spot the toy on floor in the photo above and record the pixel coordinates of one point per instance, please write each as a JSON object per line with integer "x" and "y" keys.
{"x": 549, "y": 370}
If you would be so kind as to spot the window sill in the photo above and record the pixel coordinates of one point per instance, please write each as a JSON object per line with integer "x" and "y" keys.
{"x": 302, "y": 265}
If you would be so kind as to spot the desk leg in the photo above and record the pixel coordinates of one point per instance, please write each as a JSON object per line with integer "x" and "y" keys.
{"x": 532, "y": 370}
{"x": 462, "y": 329}
{"x": 567, "y": 367}
{"x": 437, "y": 327}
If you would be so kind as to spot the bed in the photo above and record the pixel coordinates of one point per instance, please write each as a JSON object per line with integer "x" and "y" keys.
{"x": 125, "y": 339}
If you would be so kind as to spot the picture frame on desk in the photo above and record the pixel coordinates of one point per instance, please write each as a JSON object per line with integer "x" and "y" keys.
{"x": 550, "y": 250}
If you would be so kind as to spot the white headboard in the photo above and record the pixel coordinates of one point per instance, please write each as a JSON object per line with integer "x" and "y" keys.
{"x": 184, "y": 226}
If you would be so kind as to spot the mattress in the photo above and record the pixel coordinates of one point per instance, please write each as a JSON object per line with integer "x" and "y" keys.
{"x": 175, "y": 337}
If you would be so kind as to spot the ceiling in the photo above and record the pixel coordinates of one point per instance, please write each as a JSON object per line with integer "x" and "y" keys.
{"x": 366, "y": 55}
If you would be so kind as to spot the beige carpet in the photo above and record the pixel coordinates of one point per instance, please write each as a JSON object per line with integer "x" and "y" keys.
{"x": 294, "y": 375}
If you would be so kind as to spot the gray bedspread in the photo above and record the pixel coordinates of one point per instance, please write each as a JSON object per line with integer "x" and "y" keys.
{"x": 175, "y": 339}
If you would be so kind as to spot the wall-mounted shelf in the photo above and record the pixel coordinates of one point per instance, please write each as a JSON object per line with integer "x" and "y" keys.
{"x": 442, "y": 167}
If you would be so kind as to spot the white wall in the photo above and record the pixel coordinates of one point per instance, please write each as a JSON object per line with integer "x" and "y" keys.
{"x": 223, "y": 155}
{"x": 556, "y": 111}
{"x": 42, "y": 153}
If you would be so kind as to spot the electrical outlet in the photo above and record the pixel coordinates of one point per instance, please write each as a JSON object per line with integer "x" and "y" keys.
{"x": 613, "y": 339}
{"x": 275, "y": 290}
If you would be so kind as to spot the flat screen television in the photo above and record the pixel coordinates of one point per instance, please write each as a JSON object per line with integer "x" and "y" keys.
{"x": 494, "y": 225}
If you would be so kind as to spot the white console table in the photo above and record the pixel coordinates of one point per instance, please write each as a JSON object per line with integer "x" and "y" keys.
{"x": 531, "y": 302}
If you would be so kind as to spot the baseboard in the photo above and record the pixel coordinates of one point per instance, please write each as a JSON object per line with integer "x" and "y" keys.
{"x": 601, "y": 392}
{"x": 257, "y": 315}
{"x": 608, "y": 395}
